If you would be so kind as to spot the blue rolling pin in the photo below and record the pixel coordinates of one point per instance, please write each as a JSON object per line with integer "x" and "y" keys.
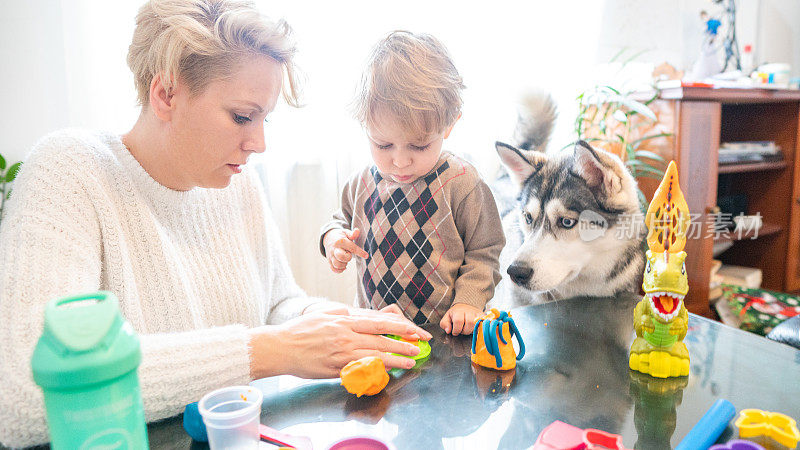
{"x": 710, "y": 427}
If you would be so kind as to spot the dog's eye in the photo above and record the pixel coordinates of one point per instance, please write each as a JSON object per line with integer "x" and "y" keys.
{"x": 528, "y": 217}
{"x": 566, "y": 222}
{"x": 683, "y": 269}
{"x": 647, "y": 269}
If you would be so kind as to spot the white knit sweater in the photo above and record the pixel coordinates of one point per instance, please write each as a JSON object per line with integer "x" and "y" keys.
{"x": 192, "y": 270}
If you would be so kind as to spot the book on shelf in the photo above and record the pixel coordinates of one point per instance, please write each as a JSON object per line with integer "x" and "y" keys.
{"x": 748, "y": 277}
{"x": 749, "y": 151}
{"x": 715, "y": 283}
{"x": 760, "y": 147}
{"x": 748, "y": 158}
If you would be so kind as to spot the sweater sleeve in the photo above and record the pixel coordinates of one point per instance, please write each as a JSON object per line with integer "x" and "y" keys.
{"x": 343, "y": 217}
{"x": 176, "y": 368}
{"x": 478, "y": 222}
{"x": 46, "y": 251}
{"x": 51, "y": 246}
{"x": 288, "y": 299}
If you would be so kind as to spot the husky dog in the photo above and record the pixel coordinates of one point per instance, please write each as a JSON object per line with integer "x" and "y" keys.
{"x": 573, "y": 229}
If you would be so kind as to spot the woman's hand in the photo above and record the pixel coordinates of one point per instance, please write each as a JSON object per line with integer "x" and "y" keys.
{"x": 318, "y": 345}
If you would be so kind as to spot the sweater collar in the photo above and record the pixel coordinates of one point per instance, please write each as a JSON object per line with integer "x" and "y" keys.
{"x": 146, "y": 184}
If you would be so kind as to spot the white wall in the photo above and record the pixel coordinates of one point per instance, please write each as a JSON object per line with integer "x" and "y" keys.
{"x": 671, "y": 30}
{"x": 779, "y": 33}
{"x": 63, "y": 65}
{"x": 33, "y": 79}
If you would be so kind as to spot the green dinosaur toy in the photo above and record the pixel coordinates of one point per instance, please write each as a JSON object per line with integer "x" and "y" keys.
{"x": 660, "y": 319}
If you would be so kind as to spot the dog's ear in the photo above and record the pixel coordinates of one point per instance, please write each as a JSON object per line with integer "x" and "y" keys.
{"x": 521, "y": 164}
{"x": 599, "y": 168}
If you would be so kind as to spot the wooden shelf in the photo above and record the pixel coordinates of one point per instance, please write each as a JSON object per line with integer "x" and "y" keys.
{"x": 723, "y": 95}
{"x": 751, "y": 167}
{"x": 766, "y": 230}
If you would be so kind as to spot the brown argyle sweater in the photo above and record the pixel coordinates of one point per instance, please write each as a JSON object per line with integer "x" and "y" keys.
{"x": 431, "y": 243}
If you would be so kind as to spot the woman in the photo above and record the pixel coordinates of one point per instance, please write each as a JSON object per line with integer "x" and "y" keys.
{"x": 171, "y": 219}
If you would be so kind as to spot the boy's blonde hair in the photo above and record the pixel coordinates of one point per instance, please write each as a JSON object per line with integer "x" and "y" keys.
{"x": 413, "y": 79}
{"x": 200, "y": 41}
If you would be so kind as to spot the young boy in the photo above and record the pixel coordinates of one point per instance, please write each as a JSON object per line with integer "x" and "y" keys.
{"x": 422, "y": 224}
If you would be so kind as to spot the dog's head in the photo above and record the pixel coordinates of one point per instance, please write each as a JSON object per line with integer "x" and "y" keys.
{"x": 573, "y": 210}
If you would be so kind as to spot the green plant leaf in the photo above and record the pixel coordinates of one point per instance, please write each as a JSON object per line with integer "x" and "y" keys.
{"x": 643, "y": 203}
{"x": 618, "y": 54}
{"x": 620, "y": 116}
{"x": 649, "y": 155}
{"x": 652, "y": 136}
{"x": 652, "y": 176}
{"x": 12, "y": 172}
{"x": 595, "y": 139}
{"x": 633, "y": 105}
{"x": 2, "y": 163}
{"x": 630, "y": 155}
{"x": 656, "y": 93}
{"x": 635, "y": 55}
{"x": 638, "y": 163}
{"x": 644, "y": 169}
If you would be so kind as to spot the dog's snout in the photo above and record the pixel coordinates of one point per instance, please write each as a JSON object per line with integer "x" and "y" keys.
{"x": 520, "y": 274}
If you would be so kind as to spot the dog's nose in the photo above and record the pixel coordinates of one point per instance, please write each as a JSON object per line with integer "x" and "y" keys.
{"x": 520, "y": 274}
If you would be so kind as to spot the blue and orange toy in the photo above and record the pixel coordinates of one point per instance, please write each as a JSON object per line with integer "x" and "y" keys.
{"x": 491, "y": 341}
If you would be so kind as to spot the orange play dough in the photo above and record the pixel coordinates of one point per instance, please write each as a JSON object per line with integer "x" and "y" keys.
{"x": 365, "y": 376}
{"x": 508, "y": 356}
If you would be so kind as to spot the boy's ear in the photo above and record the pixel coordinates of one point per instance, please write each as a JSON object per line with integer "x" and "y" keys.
{"x": 162, "y": 98}
{"x": 450, "y": 128}
{"x": 520, "y": 164}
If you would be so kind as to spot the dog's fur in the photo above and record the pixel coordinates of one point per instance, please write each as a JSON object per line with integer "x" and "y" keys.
{"x": 544, "y": 259}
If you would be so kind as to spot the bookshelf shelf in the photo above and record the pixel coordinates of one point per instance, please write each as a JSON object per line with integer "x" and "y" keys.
{"x": 766, "y": 230}
{"x": 704, "y": 120}
{"x": 752, "y": 167}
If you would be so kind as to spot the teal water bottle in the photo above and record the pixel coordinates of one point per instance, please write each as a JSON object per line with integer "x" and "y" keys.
{"x": 85, "y": 362}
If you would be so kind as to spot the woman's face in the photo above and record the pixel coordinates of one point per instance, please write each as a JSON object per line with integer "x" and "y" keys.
{"x": 213, "y": 133}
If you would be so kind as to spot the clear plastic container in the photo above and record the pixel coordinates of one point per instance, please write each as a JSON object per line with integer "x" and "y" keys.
{"x": 232, "y": 416}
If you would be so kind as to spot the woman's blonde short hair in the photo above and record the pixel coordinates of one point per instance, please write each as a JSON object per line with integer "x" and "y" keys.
{"x": 412, "y": 78}
{"x": 200, "y": 41}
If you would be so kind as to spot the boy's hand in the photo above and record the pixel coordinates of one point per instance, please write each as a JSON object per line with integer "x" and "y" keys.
{"x": 340, "y": 247}
{"x": 460, "y": 319}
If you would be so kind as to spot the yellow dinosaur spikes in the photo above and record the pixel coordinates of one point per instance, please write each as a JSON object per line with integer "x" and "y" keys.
{"x": 667, "y": 218}
{"x": 660, "y": 319}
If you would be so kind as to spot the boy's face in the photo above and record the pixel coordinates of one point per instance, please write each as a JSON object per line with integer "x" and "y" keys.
{"x": 401, "y": 155}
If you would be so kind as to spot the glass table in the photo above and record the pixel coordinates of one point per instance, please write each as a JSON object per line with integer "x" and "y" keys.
{"x": 575, "y": 370}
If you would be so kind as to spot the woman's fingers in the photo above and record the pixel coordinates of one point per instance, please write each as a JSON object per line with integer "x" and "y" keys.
{"x": 384, "y": 344}
{"x": 393, "y": 309}
{"x": 417, "y": 333}
{"x": 389, "y": 360}
{"x": 383, "y": 324}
